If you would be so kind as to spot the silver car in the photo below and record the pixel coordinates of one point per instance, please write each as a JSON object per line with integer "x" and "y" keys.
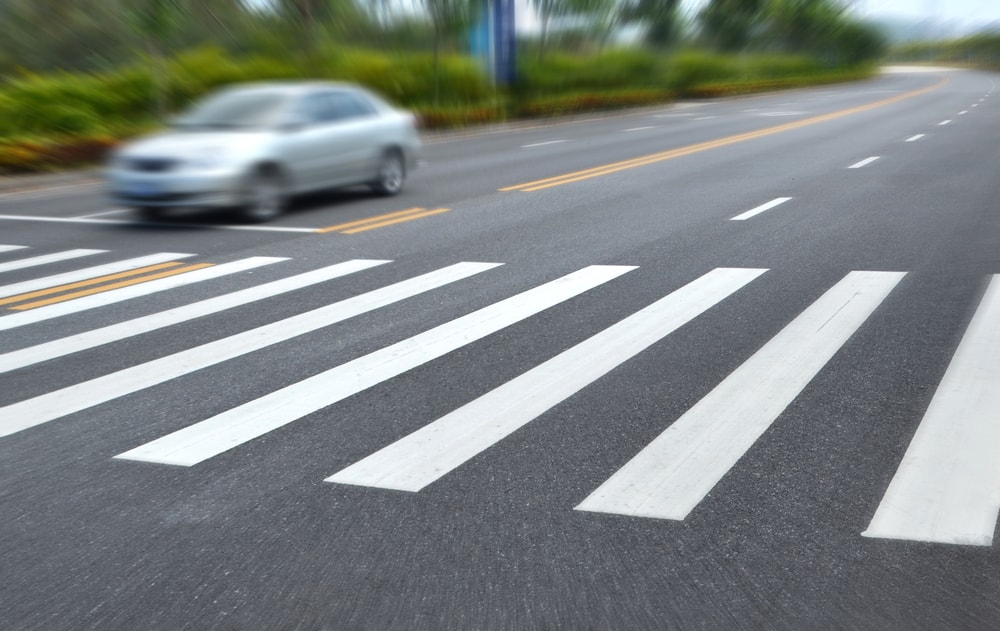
{"x": 254, "y": 146}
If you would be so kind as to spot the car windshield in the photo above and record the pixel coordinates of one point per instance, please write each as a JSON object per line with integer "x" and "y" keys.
{"x": 235, "y": 110}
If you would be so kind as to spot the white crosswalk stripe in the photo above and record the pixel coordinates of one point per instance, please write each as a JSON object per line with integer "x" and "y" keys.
{"x": 89, "y": 272}
{"x": 413, "y": 462}
{"x": 116, "y": 332}
{"x": 53, "y": 405}
{"x": 134, "y": 291}
{"x": 677, "y": 470}
{"x": 220, "y": 433}
{"x": 946, "y": 489}
{"x": 45, "y": 259}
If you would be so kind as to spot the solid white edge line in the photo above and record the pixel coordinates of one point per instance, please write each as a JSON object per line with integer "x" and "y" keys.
{"x": 89, "y": 273}
{"x": 947, "y": 486}
{"x": 59, "y": 403}
{"x": 641, "y": 128}
{"x": 669, "y": 477}
{"x": 542, "y": 144}
{"x": 431, "y": 452}
{"x": 90, "y": 339}
{"x": 863, "y": 163}
{"x": 762, "y": 208}
{"x": 113, "y": 296}
{"x": 225, "y": 431}
{"x": 120, "y": 222}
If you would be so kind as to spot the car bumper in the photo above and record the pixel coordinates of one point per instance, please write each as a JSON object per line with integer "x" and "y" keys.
{"x": 210, "y": 189}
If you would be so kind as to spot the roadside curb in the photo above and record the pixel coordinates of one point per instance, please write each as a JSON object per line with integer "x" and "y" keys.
{"x": 11, "y": 184}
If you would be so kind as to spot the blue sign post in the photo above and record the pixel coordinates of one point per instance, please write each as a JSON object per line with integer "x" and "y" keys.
{"x": 493, "y": 39}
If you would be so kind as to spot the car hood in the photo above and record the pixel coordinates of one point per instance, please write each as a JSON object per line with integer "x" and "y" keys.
{"x": 186, "y": 144}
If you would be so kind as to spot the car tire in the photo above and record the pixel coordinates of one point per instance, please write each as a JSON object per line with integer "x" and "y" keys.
{"x": 264, "y": 196}
{"x": 150, "y": 214}
{"x": 391, "y": 174}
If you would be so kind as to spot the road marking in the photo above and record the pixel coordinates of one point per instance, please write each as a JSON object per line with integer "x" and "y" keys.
{"x": 113, "y": 211}
{"x": 126, "y": 222}
{"x": 863, "y": 163}
{"x": 59, "y": 403}
{"x": 89, "y": 272}
{"x": 946, "y": 122}
{"x": 947, "y": 487}
{"x": 126, "y": 293}
{"x": 113, "y": 286}
{"x": 641, "y": 128}
{"x": 46, "y": 259}
{"x": 963, "y": 112}
{"x": 428, "y": 454}
{"x": 762, "y": 208}
{"x": 199, "y": 442}
{"x": 915, "y": 138}
{"x": 389, "y": 222}
{"x": 378, "y": 221}
{"x": 670, "y": 476}
{"x": 137, "y": 326}
{"x": 542, "y": 144}
{"x": 614, "y": 167}
{"x": 56, "y": 289}
{"x": 705, "y": 118}
{"x": 9, "y": 248}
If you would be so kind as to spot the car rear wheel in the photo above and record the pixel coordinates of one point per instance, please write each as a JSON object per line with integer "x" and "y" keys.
{"x": 150, "y": 213}
{"x": 391, "y": 174}
{"x": 264, "y": 197}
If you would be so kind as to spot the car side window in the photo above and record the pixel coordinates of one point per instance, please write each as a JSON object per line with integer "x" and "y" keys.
{"x": 314, "y": 108}
{"x": 347, "y": 105}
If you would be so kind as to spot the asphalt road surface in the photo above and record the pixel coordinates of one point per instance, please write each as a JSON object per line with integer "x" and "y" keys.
{"x": 715, "y": 365}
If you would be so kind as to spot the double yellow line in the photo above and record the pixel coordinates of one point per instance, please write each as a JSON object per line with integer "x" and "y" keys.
{"x": 614, "y": 167}
{"x": 380, "y": 221}
{"x": 23, "y": 302}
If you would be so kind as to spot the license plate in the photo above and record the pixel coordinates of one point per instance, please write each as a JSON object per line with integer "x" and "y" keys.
{"x": 142, "y": 189}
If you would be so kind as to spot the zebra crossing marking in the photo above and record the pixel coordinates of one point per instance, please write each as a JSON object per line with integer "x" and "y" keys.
{"x": 947, "y": 487}
{"x": 89, "y": 273}
{"x": 220, "y": 433}
{"x": 137, "y": 326}
{"x": 671, "y": 475}
{"x": 45, "y": 259}
{"x": 428, "y": 454}
{"x": 59, "y": 403}
{"x": 126, "y": 293}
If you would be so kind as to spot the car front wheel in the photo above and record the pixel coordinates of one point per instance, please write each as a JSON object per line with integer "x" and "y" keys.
{"x": 391, "y": 174}
{"x": 264, "y": 197}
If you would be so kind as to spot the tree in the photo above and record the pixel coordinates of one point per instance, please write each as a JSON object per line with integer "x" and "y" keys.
{"x": 731, "y": 25}
{"x": 155, "y": 21}
{"x": 448, "y": 18}
{"x": 659, "y": 17}
{"x": 548, "y": 10}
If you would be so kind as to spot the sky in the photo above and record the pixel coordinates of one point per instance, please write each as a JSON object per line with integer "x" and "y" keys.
{"x": 965, "y": 13}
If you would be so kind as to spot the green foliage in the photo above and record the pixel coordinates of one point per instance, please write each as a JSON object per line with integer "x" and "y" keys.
{"x": 981, "y": 50}
{"x": 613, "y": 70}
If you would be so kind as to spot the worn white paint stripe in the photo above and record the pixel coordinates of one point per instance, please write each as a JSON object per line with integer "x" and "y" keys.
{"x": 89, "y": 272}
{"x": 641, "y": 128}
{"x": 45, "y": 259}
{"x": 542, "y": 144}
{"x": 115, "y": 332}
{"x": 915, "y": 138}
{"x": 135, "y": 223}
{"x": 863, "y": 163}
{"x": 669, "y": 477}
{"x": 9, "y": 248}
{"x": 56, "y": 404}
{"x": 234, "y": 427}
{"x": 947, "y": 487}
{"x": 944, "y": 122}
{"x": 431, "y": 452}
{"x": 963, "y": 112}
{"x": 60, "y": 309}
{"x": 762, "y": 208}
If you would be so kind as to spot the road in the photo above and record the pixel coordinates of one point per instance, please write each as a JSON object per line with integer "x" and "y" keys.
{"x": 714, "y": 365}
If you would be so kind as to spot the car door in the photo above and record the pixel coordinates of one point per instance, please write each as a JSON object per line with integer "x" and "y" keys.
{"x": 306, "y": 141}
{"x": 357, "y": 136}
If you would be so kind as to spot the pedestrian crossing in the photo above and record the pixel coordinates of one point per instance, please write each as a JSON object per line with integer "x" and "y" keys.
{"x": 945, "y": 490}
